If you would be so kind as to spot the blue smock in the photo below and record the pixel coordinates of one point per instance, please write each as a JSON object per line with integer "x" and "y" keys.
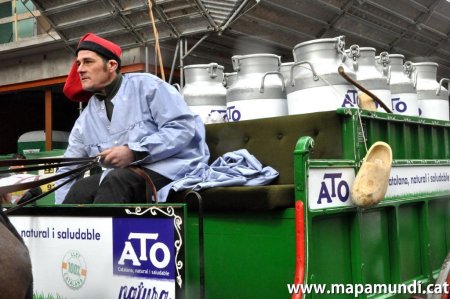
{"x": 149, "y": 116}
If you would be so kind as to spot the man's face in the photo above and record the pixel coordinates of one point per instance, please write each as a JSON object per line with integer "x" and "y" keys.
{"x": 94, "y": 72}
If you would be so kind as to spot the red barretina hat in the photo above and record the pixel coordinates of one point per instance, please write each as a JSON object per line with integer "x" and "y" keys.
{"x": 72, "y": 88}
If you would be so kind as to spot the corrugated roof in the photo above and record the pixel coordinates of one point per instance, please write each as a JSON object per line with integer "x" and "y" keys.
{"x": 419, "y": 29}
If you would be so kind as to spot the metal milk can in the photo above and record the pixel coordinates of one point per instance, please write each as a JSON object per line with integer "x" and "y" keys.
{"x": 363, "y": 63}
{"x": 204, "y": 91}
{"x": 315, "y": 81}
{"x": 259, "y": 89}
{"x": 403, "y": 90}
{"x": 432, "y": 96}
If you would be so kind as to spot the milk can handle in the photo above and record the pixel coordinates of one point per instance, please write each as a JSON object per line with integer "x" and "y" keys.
{"x": 340, "y": 46}
{"x": 177, "y": 86}
{"x": 235, "y": 62}
{"x": 213, "y": 70}
{"x": 280, "y": 75}
{"x": 408, "y": 68}
{"x": 354, "y": 54}
{"x": 291, "y": 79}
{"x": 414, "y": 74}
{"x": 438, "y": 91}
{"x": 385, "y": 62}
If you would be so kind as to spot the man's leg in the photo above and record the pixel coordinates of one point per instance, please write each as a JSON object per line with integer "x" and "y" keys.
{"x": 83, "y": 191}
{"x": 122, "y": 185}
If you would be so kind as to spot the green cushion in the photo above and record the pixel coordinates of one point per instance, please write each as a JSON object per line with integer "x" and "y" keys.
{"x": 240, "y": 198}
{"x": 272, "y": 140}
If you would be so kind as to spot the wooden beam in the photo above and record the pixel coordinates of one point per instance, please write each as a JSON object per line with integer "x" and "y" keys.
{"x": 19, "y": 17}
{"x": 138, "y": 67}
{"x": 33, "y": 84}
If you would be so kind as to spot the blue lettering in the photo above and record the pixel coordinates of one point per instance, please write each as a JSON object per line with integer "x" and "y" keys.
{"x": 233, "y": 114}
{"x": 343, "y": 196}
{"x": 400, "y": 106}
{"x": 324, "y": 194}
{"x": 351, "y": 98}
{"x": 333, "y": 177}
{"x": 220, "y": 111}
{"x": 141, "y": 292}
{"x": 339, "y": 188}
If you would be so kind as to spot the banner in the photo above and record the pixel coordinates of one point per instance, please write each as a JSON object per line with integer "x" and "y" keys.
{"x": 105, "y": 252}
{"x": 330, "y": 187}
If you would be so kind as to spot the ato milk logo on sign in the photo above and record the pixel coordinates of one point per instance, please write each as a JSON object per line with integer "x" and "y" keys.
{"x": 330, "y": 187}
{"x": 144, "y": 247}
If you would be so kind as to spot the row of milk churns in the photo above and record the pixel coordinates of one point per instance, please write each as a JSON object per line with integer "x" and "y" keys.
{"x": 262, "y": 86}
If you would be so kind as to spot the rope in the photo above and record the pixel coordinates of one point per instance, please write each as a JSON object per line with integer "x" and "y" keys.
{"x": 157, "y": 48}
{"x": 338, "y": 94}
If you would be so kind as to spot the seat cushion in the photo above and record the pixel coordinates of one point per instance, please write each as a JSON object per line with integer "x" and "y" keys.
{"x": 272, "y": 140}
{"x": 241, "y": 198}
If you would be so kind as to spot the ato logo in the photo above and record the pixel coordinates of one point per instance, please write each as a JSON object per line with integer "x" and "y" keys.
{"x": 144, "y": 247}
{"x": 332, "y": 187}
{"x": 350, "y": 99}
{"x": 129, "y": 253}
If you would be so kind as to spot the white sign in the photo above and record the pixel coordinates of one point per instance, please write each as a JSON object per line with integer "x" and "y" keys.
{"x": 101, "y": 257}
{"x": 330, "y": 187}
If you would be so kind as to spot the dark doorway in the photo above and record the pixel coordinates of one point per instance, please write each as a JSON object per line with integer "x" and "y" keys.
{"x": 24, "y": 111}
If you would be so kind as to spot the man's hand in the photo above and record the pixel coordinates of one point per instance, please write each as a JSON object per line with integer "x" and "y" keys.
{"x": 116, "y": 157}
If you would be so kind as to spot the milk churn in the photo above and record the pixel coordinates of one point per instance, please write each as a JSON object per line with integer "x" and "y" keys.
{"x": 315, "y": 81}
{"x": 259, "y": 89}
{"x": 229, "y": 79}
{"x": 432, "y": 96}
{"x": 363, "y": 62}
{"x": 403, "y": 90}
{"x": 204, "y": 91}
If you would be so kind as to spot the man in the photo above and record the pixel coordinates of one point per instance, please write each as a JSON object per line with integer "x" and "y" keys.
{"x": 131, "y": 119}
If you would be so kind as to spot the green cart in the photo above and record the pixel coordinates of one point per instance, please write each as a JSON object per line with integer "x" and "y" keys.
{"x": 301, "y": 236}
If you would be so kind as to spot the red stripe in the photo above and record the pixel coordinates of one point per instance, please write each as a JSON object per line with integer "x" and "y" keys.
{"x": 299, "y": 246}
{"x": 446, "y": 296}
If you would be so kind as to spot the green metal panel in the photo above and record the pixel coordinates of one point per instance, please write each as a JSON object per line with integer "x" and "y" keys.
{"x": 329, "y": 251}
{"x": 247, "y": 255}
{"x": 409, "y": 241}
{"x": 375, "y": 246}
{"x": 402, "y": 239}
{"x": 440, "y": 209}
{"x": 409, "y": 137}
